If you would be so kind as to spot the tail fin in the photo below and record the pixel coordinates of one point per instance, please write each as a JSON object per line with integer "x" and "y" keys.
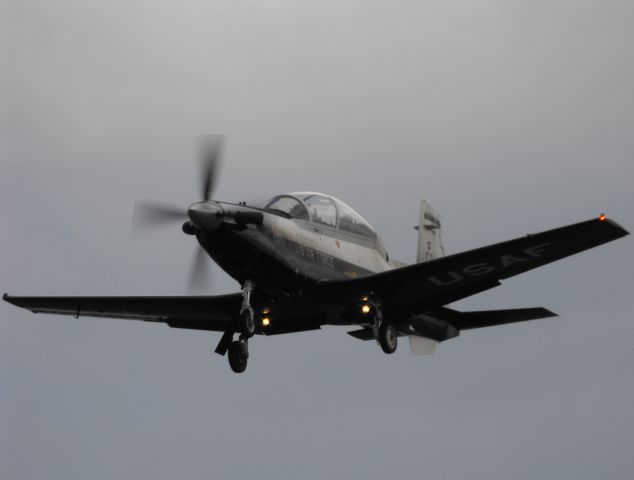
{"x": 429, "y": 234}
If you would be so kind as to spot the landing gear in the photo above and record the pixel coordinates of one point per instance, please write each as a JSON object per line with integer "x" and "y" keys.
{"x": 246, "y": 324}
{"x": 388, "y": 337}
{"x": 238, "y": 355}
{"x": 238, "y": 350}
{"x": 385, "y": 331}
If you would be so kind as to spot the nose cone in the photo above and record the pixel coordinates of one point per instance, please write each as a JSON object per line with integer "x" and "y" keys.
{"x": 205, "y": 215}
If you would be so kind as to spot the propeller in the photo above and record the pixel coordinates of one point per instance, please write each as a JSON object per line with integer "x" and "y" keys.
{"x": 149, "y": 215}
{"x": 210, "y": 151}
{"x": 199, "y": 272}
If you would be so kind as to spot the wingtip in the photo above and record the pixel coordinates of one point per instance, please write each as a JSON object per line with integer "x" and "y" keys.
{"x": 616, "y": 226}
{"x": 8, "y": 298}
{"x": 621, "y": 231}
{"x": 550, "y": 313}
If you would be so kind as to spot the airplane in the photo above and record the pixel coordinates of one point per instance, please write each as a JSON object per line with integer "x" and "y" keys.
{"x": 305, "y": 260}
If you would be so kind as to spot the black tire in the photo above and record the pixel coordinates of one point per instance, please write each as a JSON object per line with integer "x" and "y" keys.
{"x": 247, "y": 322}
{"x": 388, "y": 337}
{"x": 238, "y": 356}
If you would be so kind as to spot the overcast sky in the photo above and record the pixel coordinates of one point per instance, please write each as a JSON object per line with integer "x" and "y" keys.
{"x": 509, "y": 116}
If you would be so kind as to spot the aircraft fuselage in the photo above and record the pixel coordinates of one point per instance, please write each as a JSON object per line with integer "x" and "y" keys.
{"x": 287, "y": 255}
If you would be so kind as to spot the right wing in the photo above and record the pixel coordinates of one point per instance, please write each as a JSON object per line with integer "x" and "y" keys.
{"x": 196, "y": 312}
{"x": 214, "y": 313}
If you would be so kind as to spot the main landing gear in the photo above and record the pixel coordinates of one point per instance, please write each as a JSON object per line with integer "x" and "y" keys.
{"x": 388, "y": 337}
{"x": 238, "y": 350}
{"x": 385, "y": 331}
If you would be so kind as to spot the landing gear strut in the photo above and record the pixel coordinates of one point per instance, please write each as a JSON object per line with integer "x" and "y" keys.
{"x": 238, "y": 350}
{"x": 247, "y": 316}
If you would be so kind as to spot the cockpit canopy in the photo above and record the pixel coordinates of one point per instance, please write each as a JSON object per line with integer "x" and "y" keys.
{"x": 321, "y": 209}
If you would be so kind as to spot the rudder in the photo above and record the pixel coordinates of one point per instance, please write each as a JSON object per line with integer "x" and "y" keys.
{"x": 429, "y": 234}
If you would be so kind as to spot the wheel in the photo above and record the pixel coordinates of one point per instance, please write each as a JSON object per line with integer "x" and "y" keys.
{"x": 388, "y": 337}
{"x": 238, "y": 355}
{"x": 247, "y": 322}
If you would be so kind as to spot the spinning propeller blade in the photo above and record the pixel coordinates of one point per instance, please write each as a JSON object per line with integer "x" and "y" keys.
{"x": 148, "y": 215}
{"x": 199, "y": 273}
{"x": 210, "y": 156}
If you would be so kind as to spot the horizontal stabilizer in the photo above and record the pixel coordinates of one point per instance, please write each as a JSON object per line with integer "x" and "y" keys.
{"x": 362, "y": 334}
{"x": 489, "y": 318}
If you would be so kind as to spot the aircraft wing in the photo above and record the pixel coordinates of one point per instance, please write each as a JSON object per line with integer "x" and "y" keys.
{"x": 196, "y": 312}
{"x": 414, "y": 288}
{"x": 213, "y": 313}
{"x": 444, "y": 280}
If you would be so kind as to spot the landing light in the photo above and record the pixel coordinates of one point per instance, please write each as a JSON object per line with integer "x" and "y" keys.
{"x": 366, "y": 309}
{"x": 602, "y": 217}
{"x": 266, "y": 321}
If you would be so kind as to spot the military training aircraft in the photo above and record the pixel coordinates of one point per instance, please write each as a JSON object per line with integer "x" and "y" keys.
{"x": 305, "y": 260}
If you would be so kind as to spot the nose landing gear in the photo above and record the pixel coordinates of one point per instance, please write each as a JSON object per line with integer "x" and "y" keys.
{"x": 247, "y": 316}
{"x": 238, "y": 354}
{"x": 238, "y": 350}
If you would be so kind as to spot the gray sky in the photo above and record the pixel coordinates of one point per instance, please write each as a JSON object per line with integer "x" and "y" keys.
{"x": 508, "y": 116}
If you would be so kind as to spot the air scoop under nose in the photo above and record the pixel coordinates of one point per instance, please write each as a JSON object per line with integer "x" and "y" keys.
{"x": 206, "y": 215}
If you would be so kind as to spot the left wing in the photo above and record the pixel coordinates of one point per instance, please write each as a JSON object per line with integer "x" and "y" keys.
{"x": 444, "y": 280}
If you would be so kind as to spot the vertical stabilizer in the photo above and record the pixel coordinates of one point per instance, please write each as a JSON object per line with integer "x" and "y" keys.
{"x": 429, "y": 234}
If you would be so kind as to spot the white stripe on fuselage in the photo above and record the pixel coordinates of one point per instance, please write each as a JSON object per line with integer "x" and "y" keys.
{"x": 316, "y": 238}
